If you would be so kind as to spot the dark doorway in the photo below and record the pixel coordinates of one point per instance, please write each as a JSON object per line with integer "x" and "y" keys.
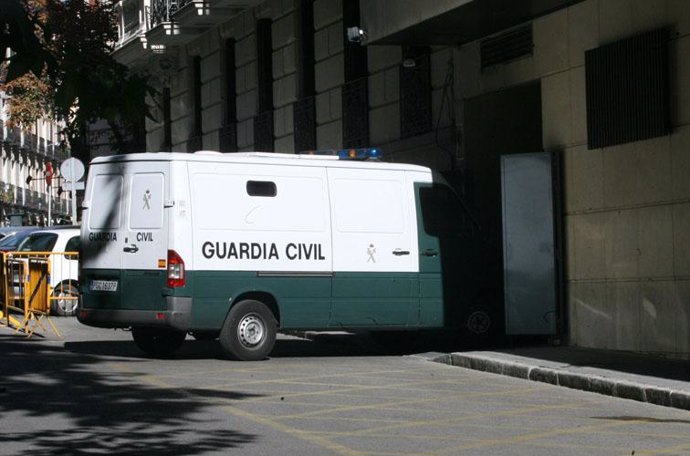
{"x": 504, "y": 122}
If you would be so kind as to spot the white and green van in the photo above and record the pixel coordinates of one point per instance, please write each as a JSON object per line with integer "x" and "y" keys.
{"x": 238, "y": 246}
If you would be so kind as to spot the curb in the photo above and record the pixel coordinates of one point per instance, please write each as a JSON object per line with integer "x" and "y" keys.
{"x": 592, "y": 383}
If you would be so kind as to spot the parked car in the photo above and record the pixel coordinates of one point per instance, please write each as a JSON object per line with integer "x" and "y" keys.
{"x": 64, "y": 242}
{"x": 12, "y": 239}
{"x": 10, "y": 230}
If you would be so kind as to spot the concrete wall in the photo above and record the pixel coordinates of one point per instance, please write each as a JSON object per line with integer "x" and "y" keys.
{"x": 627, "y": 207}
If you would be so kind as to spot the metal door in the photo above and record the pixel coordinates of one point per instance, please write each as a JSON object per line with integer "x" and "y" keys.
{"x": 530, "y": 273}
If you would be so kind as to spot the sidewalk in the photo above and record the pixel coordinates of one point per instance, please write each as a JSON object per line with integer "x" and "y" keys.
{"x": 642, "y": 378}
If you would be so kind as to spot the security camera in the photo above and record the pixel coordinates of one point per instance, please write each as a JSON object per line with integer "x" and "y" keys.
{"x": 355, "y": 34}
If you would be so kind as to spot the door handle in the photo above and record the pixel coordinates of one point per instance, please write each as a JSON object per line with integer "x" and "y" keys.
{"x": 429, "y": 253}
{"x": 132, "y": 248}
{"x": 398, "y": 252}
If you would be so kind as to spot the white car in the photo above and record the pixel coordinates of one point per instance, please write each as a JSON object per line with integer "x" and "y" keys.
{"x": 64, "y": 274}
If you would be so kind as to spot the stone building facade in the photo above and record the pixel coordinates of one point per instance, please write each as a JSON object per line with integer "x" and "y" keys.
{"x": 29, "y": 151}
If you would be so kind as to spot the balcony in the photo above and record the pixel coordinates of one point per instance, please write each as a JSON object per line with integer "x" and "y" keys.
{"x": 30, "y": 142}
{"x": 13, "y": 136}
{"x": 177, "y": 22}
{"x": 60, "y": 206}
{"x": 132, "y": 46}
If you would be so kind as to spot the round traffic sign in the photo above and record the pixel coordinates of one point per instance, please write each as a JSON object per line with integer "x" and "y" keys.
{"x": 72, "y": 169}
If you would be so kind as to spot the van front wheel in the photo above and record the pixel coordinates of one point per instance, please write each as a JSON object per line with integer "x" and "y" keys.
{"x": 156, "y": 342}
{"x": 249, "y": 331}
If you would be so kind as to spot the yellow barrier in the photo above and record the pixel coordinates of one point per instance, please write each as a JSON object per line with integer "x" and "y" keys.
{"x": 28, "y": 294}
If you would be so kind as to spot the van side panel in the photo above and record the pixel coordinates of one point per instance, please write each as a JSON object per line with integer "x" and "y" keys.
{"x": 261, "y": 228}
{"x": 375, "y": 258}
{"x": 303, "y": 301}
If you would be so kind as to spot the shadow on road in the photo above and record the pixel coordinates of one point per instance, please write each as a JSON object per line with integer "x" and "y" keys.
{"x": 317, "y": 345}
{"x": 99, "y": 411}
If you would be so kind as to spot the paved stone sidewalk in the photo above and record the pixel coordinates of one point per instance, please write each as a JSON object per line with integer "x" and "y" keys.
{"x": 643, "y": 378}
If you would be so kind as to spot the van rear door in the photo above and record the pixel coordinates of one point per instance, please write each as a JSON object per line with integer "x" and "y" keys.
{"x": 145, "y": 246}
{"x": 101, "y": 237}
{"x": 124, "y": 236}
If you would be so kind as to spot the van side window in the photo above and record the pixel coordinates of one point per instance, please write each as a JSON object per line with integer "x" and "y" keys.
{"x": 442, "y": 212}
{"x": 261, "y": 188}
{"x": 105, "y": 202}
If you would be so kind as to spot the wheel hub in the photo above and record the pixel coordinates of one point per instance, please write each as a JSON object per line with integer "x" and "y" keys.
{"x": 251, "y": 331}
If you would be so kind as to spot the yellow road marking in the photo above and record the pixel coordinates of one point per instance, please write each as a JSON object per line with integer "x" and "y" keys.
{"x": 521, "y": 439}
{"x": 448, "y": 422}
{"x": 324, "y": 439}
{"x": 301, "y": 434}
{"x": 685, "y": 449}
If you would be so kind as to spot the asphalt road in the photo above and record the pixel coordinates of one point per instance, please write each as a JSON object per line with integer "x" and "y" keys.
{"x": 94, "y": 393}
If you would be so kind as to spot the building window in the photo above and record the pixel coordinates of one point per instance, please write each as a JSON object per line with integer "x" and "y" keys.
{"x": 304, "y": 110}
{"x": 167, "y": 121}
{"x": 263, "y": 122}
{"x": 195, "y": 141}
{"x": 415, "y": 92}
{"x": 355, "y": 90}
{"x": 628, "y": 90}
{"x": 228, "y": 132}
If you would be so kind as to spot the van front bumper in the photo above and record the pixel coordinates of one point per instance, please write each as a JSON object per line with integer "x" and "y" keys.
{"x": 178, "y": 315}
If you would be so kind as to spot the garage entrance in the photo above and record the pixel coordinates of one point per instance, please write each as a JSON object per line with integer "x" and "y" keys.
{"x": 502, "y": 123}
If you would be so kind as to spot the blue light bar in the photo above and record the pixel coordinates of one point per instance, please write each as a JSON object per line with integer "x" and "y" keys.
{"x": 364, "y": 153}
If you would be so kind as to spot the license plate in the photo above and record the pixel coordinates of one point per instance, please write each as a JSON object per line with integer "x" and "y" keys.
{"x": 103, "y": 285}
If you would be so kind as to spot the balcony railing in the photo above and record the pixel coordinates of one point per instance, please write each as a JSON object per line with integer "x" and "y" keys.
{"x": 162, "y": 11}
{"x": 30, "y": 140}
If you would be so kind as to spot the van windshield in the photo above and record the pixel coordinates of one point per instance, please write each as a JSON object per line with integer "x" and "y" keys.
{"x": 41, "y": 242}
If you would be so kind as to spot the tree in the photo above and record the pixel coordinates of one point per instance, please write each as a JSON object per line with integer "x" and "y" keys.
{"x": 20, "y": 31}
{"x": 84, "y": 82}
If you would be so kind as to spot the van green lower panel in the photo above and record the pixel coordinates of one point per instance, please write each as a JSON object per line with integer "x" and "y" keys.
{"x": 344, "y": 300}
{"x": 303, "y": 301}
{"x": 375, "y": 299}
{"x": 136, "y": 290}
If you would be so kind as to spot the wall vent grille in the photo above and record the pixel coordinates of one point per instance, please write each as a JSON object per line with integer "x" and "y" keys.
{"x": 628, "y": 90}
{"x": 507, "y": 46}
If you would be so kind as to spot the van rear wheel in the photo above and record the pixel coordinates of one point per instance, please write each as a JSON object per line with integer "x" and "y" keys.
{"x": 157, "y": 342}
{"x": 249, "y": 331}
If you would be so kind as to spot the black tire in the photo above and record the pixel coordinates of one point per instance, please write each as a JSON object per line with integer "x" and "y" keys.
{"x": 157, "y": 342}
{"x": 249, "y": 331}
{"x": 65, "y": 307}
